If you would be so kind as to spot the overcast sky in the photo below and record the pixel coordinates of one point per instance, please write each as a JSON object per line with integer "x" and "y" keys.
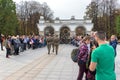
{"x": 64, "y": 9}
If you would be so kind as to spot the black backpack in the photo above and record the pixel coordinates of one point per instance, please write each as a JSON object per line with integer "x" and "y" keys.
{"x": 74, "y": 55}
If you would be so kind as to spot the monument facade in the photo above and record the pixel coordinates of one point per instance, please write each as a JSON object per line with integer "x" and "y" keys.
{"x": 65, "y": 28}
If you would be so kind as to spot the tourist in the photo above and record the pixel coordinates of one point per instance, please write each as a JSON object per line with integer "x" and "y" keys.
{"x": 113, "y": 42}
{"x": 83, "y": 56}
{"x": 25, "y": 40}
{"x": 103, "y": 59}
{"x": 16, "y": 43}
{"x": 22, "y": 44}
{"x": 8, "y": 47}
{"x": 93, "y": 46}
{"x": 1, "y": 41}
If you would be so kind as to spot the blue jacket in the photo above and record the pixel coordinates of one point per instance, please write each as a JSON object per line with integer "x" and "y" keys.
{"x": 114, "y": 45}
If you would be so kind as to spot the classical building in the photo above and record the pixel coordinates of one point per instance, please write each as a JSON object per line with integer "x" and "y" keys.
{"x": 72, "y": 26}
{"x": 65, "y": 28}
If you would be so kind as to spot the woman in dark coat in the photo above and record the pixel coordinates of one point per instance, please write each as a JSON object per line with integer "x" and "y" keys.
{"x": 82, "y": 57}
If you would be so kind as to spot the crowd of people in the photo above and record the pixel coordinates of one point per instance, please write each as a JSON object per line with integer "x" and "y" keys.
{"x": 16, "y": 44}
{"x": 75, "y": 40}
{"x": 96, "y": 57}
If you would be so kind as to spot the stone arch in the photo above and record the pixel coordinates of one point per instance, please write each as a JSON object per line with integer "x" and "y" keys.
{"x": 49, "y": 30}
{"x": 80, "y": 30}
{"x": 65, "y": 34}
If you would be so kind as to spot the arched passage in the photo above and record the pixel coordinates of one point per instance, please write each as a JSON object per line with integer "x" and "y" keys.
{"x": 49, "y": 30}
{"x": 80, "y": 30}
{"x": 64, "y": 35}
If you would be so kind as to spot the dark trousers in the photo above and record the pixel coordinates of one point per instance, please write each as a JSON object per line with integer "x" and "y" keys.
{"x": 56, "y": 48}
{"x": 7, "y": 52}
{"x": 16, "y": 51}
{"x": 1, "y": 45}
{"x": 40, "y": 45}
{"x": 49, "y": 47}
{"x": 82, "y": 69}
{"x": 29, "y": 45}
{"x": 53, "y": 47}
{"x": 21, "y": 47}
{"x": 24, "y": 44}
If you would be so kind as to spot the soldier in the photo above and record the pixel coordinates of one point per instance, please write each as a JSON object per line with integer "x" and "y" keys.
{"x": 52, "y": 43}
{"x": 49, "y": 40}
{"x": 56, "y": 43}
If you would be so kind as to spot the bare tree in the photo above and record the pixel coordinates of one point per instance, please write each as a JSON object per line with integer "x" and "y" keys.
{"x": 102, "y": 14}
{"x": 29, "y": 13}
{"x": 47, "y": 12}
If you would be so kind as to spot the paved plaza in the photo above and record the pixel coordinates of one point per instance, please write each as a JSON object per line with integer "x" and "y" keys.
{"x": 38, "y": 65}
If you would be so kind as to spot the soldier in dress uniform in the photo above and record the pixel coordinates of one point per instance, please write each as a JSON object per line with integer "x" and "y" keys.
{"x": 52, "y": 43}
{"x": 49, "y": 43}
{"x": 56, "y": 43}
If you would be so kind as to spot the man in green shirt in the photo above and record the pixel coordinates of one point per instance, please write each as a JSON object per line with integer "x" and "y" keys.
{"x": 103, "y": 59}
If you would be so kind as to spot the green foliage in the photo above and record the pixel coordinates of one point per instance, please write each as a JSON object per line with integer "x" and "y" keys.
{"x": 118, "y": 25}
{"x": 102, "y": 13}
{"x": 8, "y": 18}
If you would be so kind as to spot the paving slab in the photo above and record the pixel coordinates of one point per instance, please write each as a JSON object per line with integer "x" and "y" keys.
{"x": 38, "y": 65}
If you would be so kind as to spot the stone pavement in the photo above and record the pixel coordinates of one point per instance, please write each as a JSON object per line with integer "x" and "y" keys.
{"x": 117, "y": 63}
{"x": 38, "y": 65}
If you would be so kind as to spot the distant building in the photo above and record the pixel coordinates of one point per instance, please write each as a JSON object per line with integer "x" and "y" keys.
{"x": 65, "y": 26}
